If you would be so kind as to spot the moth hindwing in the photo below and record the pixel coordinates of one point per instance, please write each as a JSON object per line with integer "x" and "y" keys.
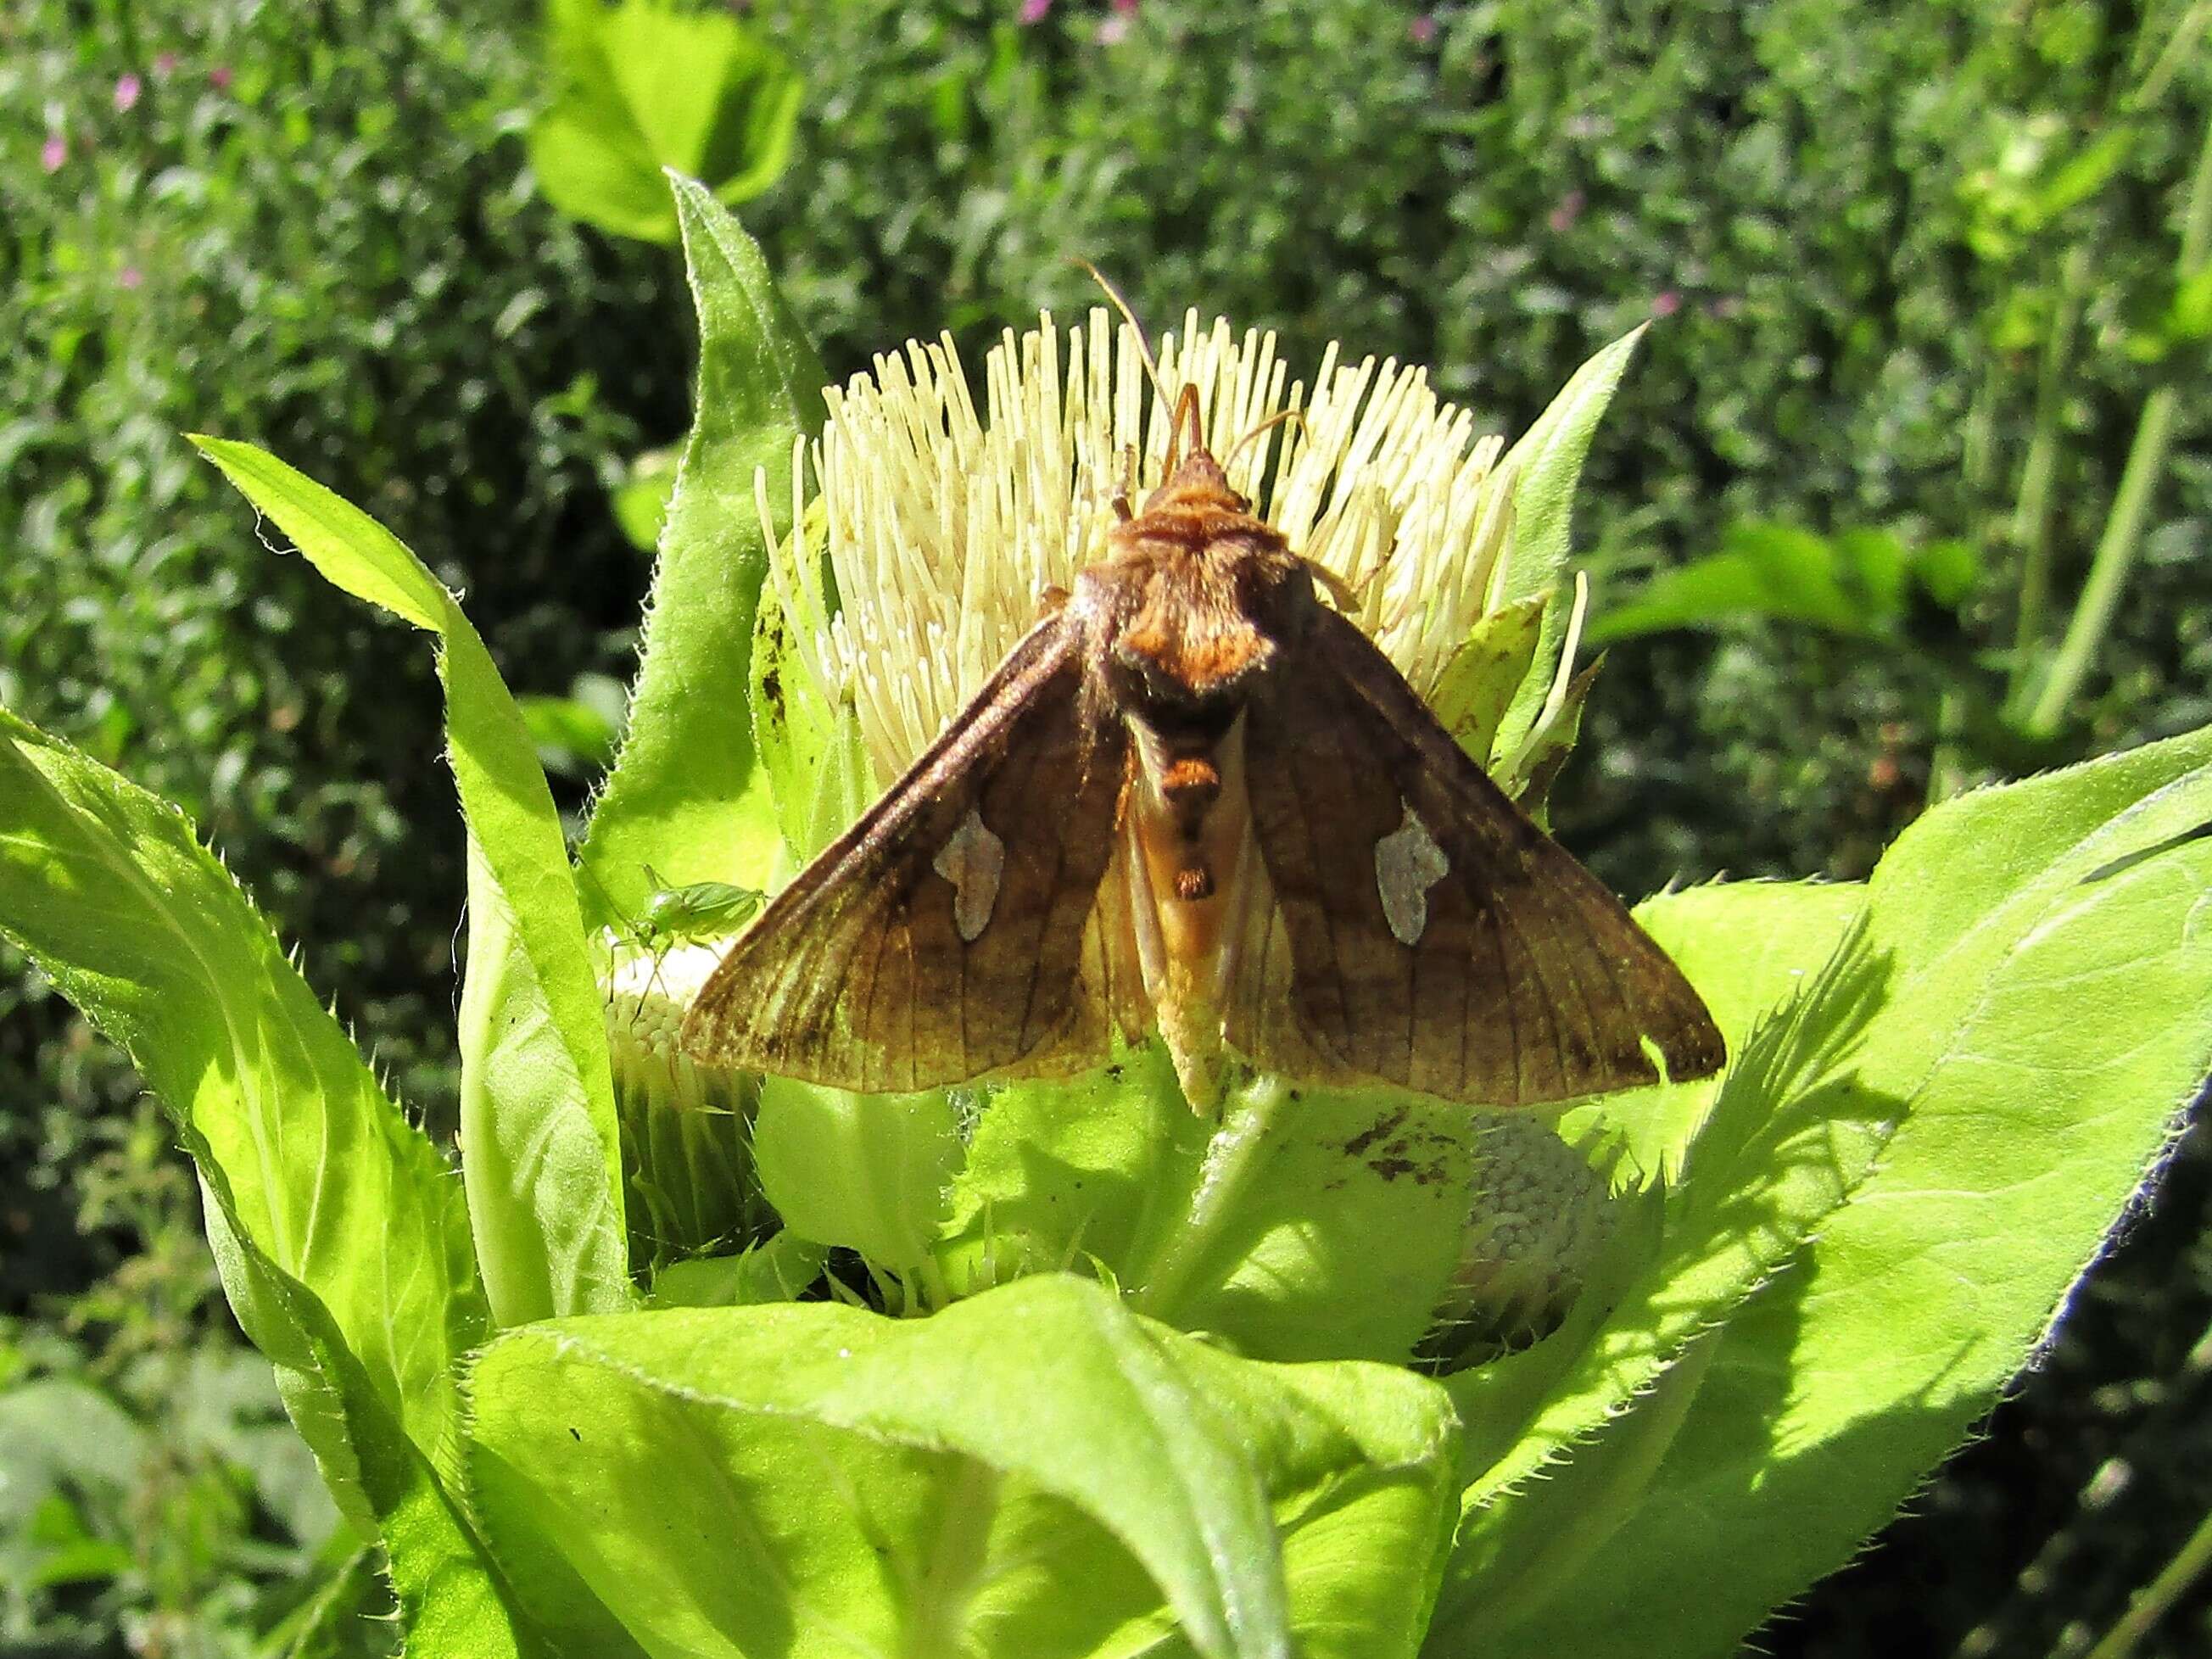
{"x": 1196, "y": 796}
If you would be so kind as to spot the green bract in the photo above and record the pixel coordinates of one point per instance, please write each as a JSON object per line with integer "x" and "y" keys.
{"x": 684, "y": 1364}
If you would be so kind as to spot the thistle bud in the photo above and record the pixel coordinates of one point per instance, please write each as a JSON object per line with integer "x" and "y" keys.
{"x": 1540, "y": 1213}
{"x": 686, "y": 1128}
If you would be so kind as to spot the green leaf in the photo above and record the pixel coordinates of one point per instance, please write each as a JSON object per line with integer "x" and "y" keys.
{"x": 1852, "y": 583}
{"x": 688, "y": 795}
{"x": 2081, "y": 176}
{"x": 2185, "y": 320}
{"x": 860, "y": 1484}
{"x": 775, "y": 1271}
{"x": 1766, "y": 570}
{"x": 1795, "y": 1126}
{"x": 844, "y": 788}
{"x": 1263, "y": 1233}
{"x": 106, "y": 888}
{"x": 643, "y": 88}
{"x": 641, "y": 500}
{"x": 2190, "y": 315}
{"x": 1536, "y": 768}
{"x": 452, "y": 1599}
{"x": 2050, "y": 1009}
{"x": 542, "y": 1165}
{"x": 66, "y": 1446}
{"x": 1545, "y": 467}
{"x": 1749, "y": 947}
{"x": 331, "y": 1623}
{"x": 1068, "y": 1171}
{"x": 1871, "y": 565}
{"x": 569, "y": 734}
{"x": 812, "y": 753}
{"x": 1553, "y": 1526}
{"x": 869, "y": 1172}
{"x": 1258, "y": 1231}
{"x": 1946, "y": 570}
{"x": 76, "y": 1557}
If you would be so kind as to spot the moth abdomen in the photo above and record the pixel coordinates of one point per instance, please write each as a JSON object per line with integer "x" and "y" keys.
{"x": 1191, "y": 782}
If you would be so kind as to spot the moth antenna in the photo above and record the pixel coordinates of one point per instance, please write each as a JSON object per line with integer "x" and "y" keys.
{"x": 1349, "y": 599}
{"x": 1186, "y": 414}
{"x": 1128, "y": 316}
{"x": 1281, "y": 417}
{"x": 1151, "y": 364}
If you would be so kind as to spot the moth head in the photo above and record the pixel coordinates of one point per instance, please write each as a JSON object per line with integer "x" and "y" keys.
{"x": 1195, "y": 478}
{"x": 1198, "y": 482}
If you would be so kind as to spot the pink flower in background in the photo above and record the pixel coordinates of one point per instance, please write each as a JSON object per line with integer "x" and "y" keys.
{"x": 126, "y": 92}
{"x": 1125, "y": 7}
{"x": 166, "y": 64}
{"x": 1569, "y": 209}
{"x": 1666, "y": 302}
{"x": 129, "y": 276}
{"x": 1113, "y": 30}
{"x": 53, "y": 152}
{"x": 1033, "y": 11}
{"x": 219, "y": 78}
{"x": 1422, "y": 30}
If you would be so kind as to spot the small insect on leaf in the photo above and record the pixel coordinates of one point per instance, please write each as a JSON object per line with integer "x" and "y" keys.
{"x": 699, "y": 910}
{"x": 697, "y": 914}
{"x": 1197, "y": 797}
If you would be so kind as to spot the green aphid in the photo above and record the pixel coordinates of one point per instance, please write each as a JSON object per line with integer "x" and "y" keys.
{"x": 671, "y": 916}
{"x": 683, "y": 915}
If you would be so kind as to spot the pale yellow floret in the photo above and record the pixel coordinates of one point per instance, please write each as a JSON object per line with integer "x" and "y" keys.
{"x": 953, "y": 521}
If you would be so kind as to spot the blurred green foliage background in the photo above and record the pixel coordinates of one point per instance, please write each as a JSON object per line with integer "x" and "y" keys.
{"x": 1900, "y": 262}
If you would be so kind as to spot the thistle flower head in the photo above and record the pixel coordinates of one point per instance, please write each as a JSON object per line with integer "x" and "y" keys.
{"x": 953, "y": 520}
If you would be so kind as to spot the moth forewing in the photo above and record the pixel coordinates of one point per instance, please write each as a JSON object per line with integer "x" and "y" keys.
{"x": 1438, "y": 938}
{"x": 942, "y": 937}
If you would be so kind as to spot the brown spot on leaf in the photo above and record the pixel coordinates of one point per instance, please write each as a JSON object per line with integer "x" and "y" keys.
{"x": 1359, "y": 1143}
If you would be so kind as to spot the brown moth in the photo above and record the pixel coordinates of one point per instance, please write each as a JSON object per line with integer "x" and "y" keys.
{"x": 1195, "y": 795}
